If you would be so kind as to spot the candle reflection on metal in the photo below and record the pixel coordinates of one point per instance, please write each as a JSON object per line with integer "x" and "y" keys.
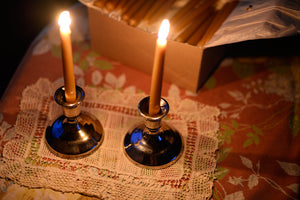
{"x": 75, "y": 134}
{"x": 153, "y": 143}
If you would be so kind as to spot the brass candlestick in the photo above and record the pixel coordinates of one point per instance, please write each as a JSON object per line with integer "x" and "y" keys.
{"x": 75, "y": 134}
{"x": 153, "y": 143}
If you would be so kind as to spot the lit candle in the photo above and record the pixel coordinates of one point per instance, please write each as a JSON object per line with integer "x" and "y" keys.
{"x": 64, "y": 22}
{"x": 158, "y": 65}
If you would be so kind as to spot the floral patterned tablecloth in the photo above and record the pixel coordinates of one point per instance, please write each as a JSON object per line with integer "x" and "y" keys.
{"x": 258, "y": 98}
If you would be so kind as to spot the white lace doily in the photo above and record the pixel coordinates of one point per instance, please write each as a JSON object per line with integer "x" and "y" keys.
{"x": 107, "y": 173}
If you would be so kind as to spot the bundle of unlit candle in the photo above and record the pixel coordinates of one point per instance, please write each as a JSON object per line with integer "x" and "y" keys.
{"x": 193, "y": 22}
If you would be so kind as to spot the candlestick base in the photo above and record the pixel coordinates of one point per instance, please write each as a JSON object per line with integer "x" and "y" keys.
{"x": 153, "y": 144}
{"x": 75, "y": 134}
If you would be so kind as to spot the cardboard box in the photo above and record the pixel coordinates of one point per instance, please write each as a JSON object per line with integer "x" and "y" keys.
{"x": 186, "y": 66}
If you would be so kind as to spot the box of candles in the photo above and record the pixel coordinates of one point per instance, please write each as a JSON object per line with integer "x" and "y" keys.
{"x": 126, "y": 30}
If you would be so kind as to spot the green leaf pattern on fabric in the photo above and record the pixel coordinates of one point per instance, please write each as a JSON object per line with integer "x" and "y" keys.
{"x": 84, "y": 65}
{"x": 222, "y": 154}
{"x": 253, "y": 137}
{"x": 243, "y": 70}
{"x": 220, "y": 172}
{"x": 56, "y": 50}
{"x": 279, "y": 66}
{"x": 282, "y": 77}
{"x": 101, "y": 64}
{"x": 210, "y": 83}
{"x": 76, "y": 57}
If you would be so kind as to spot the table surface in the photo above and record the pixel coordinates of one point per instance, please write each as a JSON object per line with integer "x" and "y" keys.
{"x": 258, "y": 97}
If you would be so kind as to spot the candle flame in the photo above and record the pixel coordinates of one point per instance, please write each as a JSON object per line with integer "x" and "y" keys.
{"x": 164, "y": 31}
{"x": 64, "y": 21}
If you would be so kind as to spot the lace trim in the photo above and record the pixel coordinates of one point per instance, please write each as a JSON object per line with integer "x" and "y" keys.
{"x": 108, "y": 173}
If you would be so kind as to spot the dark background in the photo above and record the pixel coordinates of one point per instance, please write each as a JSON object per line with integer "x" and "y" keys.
{"x": 22, "y": 20}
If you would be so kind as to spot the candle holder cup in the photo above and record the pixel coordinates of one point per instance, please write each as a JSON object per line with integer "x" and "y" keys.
{"x": 153, "y": 143}
{"x": 75, "y": 134}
